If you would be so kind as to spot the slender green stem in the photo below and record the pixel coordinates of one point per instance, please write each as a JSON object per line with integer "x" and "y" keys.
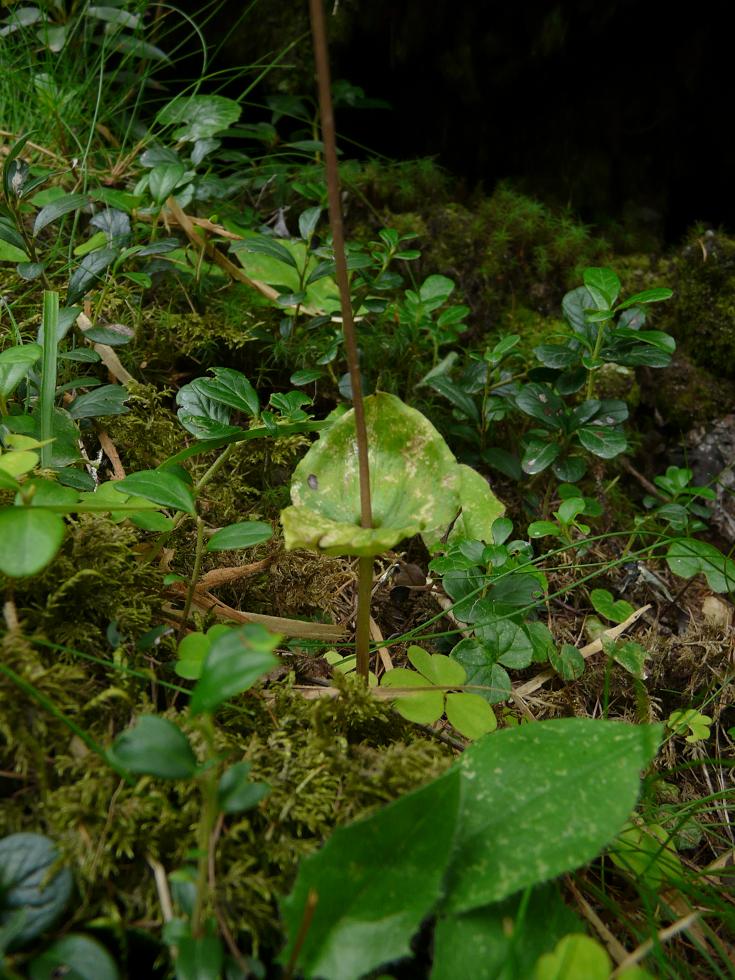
{"x": 595, "y": 352}
{"x": 319, "y": 35}
{"x": 207, "y": 821}
{"x": 362, "y": 626}
{"x": 194, "y": 574}
{"x": 48, "y": 374}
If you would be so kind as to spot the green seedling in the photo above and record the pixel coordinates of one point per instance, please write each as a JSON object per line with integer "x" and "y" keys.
{"x": 468, "y": 712}
{"x": 690, "y": 724}
{"x": 154, "y": 746}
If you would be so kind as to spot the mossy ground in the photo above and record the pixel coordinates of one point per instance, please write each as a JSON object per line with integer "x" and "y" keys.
{"x": 327, "y": 761}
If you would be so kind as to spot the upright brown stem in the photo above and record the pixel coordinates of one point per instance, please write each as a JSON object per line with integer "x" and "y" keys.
{"x": 319, "y": 34}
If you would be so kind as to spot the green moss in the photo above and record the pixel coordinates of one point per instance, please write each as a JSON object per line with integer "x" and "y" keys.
{"x": 327, "y": 762}
{"x": 96, "y": 578}
{"x": 704, "y": 308}
{"x": 509, "y": 248}
{"x": 685, "y": 395}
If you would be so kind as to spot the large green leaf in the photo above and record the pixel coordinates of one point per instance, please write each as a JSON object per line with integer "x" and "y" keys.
{"x": 374, "y": 883}
{"x": 414, "y": 481}
{"x": 30, "y": 538}
{"x": 533, "y": 802}
{"x": 29, "y": 892}
{"x": 540, "y": 800}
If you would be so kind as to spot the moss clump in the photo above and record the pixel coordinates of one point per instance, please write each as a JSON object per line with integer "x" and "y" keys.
{"x": 327, "y": 762}
{"x": 704, "y": 310}
{"x": 95, "y": 579}
{"x": 150, "y": 432}
{"x": 685, "y": 395}
{"x": 233, "y": 318}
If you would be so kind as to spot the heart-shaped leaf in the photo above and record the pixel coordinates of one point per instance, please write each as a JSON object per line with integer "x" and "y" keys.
{"x": 414, "y": 478}
{"x": 604, "y": 604}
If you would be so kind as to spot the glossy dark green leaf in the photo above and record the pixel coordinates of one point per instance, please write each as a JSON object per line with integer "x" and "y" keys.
{"x": 163, "y": 179}
{"x": 105, "y": 400}
{"x": 367, "y": 910}
{"x": 603, "y": 442}
{"x": 503, "y": 461}
{"x": 112, "y": 334}
{"x": 456, "y": 395}
{"x": 86, "y": 275}
{"x": 236, "y": 793}
{"x": 569, "y": 468}
{"x": 305, "y": 377}
{"x": 28, "y": 886}
{"x": 236, "y": 660}
{"x": 540, "y": 800}
{"x": 603, "y": 286}
{"x": 74, "y": 957}
{"x": 57, "y": 209}
{"x": 539, "y": 456}
{"x": 30, "y": 270}
{"x": 555, "y": 356}
{"x": 243, "y": 535}
{"x": 10, "y": 234}
{"x": 154, "y": 746}
{"x": 30, "y": 539}
{"x": 270, "y": 247}
{"x": 540, "y": 402}
{"x": 161, "y": 487}
{"x": 647, "y": 296}
{"x": 231, "y": 388}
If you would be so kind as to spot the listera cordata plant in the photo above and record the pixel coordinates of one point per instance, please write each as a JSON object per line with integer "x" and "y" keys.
{"x": 381, "y": 472}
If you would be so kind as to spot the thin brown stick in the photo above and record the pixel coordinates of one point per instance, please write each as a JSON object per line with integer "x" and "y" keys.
{"x": 614, "y": 947}
{"x": 309, "y": 908}
{"x": 329, "y": 138}
{"x": 206, "y": 602}
{"x": 663, "y": 935}
{"x": 183, "y": 220}
{"x": 319, "y": 35}
{"x": 118, "y": 470}
{"x": 225, "y": 576}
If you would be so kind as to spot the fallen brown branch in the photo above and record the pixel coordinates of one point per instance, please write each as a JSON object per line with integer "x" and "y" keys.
{"x": 205, "y": 602}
